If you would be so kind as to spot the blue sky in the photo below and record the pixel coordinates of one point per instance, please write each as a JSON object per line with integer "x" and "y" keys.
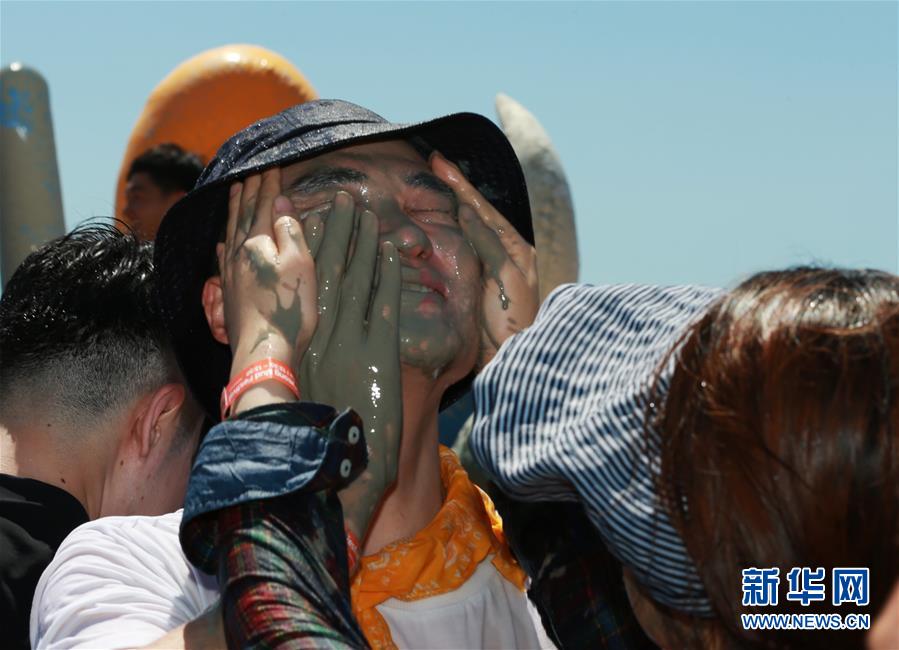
{"x": 703, "y": 141}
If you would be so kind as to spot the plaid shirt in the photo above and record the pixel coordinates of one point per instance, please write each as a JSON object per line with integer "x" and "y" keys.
{"x": 276, "y": 543}
{"x": 283, "y": 574}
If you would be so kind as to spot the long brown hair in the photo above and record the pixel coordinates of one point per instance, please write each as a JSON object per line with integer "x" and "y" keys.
{"x": 778, "y": 441}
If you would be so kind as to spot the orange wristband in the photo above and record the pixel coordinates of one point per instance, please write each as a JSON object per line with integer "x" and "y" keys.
{"x": 265, "y": 370}
{"x": 352, "y": 550}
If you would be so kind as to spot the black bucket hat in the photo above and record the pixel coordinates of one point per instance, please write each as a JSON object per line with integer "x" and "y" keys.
{"x": 186, "y": 241}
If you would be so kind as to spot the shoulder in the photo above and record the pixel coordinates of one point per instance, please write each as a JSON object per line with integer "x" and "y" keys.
{"x": 141, "y": 542}
{"x": 123, "y": 567}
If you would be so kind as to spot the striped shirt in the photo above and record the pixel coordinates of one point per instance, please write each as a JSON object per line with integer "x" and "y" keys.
{"x": 560, "y": 415}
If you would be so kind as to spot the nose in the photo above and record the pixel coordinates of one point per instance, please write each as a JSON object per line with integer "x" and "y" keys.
{"x": 405, "y": 234}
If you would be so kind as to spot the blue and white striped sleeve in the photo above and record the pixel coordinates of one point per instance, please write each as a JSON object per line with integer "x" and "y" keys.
{"x": 560, "y": 415}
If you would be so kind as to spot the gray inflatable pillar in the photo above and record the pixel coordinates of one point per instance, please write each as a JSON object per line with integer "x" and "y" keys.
{"x": 30, "y": 198}
{"x": 551, "y": 205}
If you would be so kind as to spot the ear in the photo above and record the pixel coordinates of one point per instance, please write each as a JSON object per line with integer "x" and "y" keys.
{"x": 157, "y": 422}
{"x": 214, "y": 308}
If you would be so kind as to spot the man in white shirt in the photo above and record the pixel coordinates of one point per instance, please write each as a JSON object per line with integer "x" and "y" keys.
{"x": 95, "y": 419}
{"x": 119, "y": 582}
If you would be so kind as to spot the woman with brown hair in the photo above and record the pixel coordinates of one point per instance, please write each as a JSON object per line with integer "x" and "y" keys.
{"x": 707, "y": 434}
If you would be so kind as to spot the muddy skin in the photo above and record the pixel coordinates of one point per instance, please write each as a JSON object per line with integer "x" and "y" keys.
{"x": 503, "y": 298}
{"x": 354, "y": 360}
{"x": 284, "y": 318}
{"x": 246, "y": 221}
{"x": 245, "y": 224}
{"x": 313, "y": 228}
{"x": 493, "y": 257}
{"x": 338, "y": 337}
{"x": 433, "y": 326}
{"x": 432, "y": 288}
{"x": 264, "y": 271}
{"x": 441, "y": 284}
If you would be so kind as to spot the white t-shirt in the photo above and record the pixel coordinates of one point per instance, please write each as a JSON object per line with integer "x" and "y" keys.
{"x": 118, "y": 582}
{"x": 122, "y": 582}
{"x": 487, "y": 611}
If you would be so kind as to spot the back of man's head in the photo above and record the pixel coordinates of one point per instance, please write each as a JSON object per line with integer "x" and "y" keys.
{"x": 169, "y": 166}
{"x": 79, "y": 328}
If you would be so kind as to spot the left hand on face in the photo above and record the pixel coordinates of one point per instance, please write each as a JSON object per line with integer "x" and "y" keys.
{"x": 510, "y": 297}
{"x": 353, "y": 359}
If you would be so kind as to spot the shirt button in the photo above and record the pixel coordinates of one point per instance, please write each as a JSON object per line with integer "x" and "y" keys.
{"x": 353, "y": 435}
{"x": 346, "y": 466}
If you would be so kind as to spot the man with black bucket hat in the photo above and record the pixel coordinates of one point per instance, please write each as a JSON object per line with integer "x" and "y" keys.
{"x": 329, "y": 256}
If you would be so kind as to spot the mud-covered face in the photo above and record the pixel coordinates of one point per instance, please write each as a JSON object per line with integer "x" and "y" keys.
{"x": 418, "y": 213}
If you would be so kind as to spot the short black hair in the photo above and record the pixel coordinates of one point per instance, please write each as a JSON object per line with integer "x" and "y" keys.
{"x": 171, "y": 167}
{"x": 80, "y": 326}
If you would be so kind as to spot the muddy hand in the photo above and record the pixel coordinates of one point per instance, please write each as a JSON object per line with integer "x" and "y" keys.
{"x": 510, "y": 263}
{"x": 268, "y": 281}
{"x": 353, "y": 358}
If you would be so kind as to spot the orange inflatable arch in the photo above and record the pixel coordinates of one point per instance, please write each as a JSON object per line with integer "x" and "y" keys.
{"x": 211, "y": 96}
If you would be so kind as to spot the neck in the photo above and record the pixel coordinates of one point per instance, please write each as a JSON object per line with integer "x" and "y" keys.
{"x": 34, "y": 451}
{"x": 418, "y": 494}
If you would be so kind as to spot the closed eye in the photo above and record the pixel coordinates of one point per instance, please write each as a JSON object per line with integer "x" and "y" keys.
{"x": 314, "y": 192}
{"x": 324, "y": 179}
{"x": 431, "y": 191}
{"x": 304, "y": 211}
{"x": 430, "y": 199}
{"x": 434, "y": 215}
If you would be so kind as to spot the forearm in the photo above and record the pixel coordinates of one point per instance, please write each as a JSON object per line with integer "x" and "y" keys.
{"x": 283, "y": 575}
{"x": 261, "y": 513}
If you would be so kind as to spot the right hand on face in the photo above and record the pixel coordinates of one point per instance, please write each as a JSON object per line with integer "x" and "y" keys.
{"x": 510, "y": 299}
{"x": 353, "y": 357}
{"x": 268, "y": 277}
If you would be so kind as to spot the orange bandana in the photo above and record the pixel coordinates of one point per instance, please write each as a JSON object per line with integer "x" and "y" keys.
{"x": 438, "y": 559}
